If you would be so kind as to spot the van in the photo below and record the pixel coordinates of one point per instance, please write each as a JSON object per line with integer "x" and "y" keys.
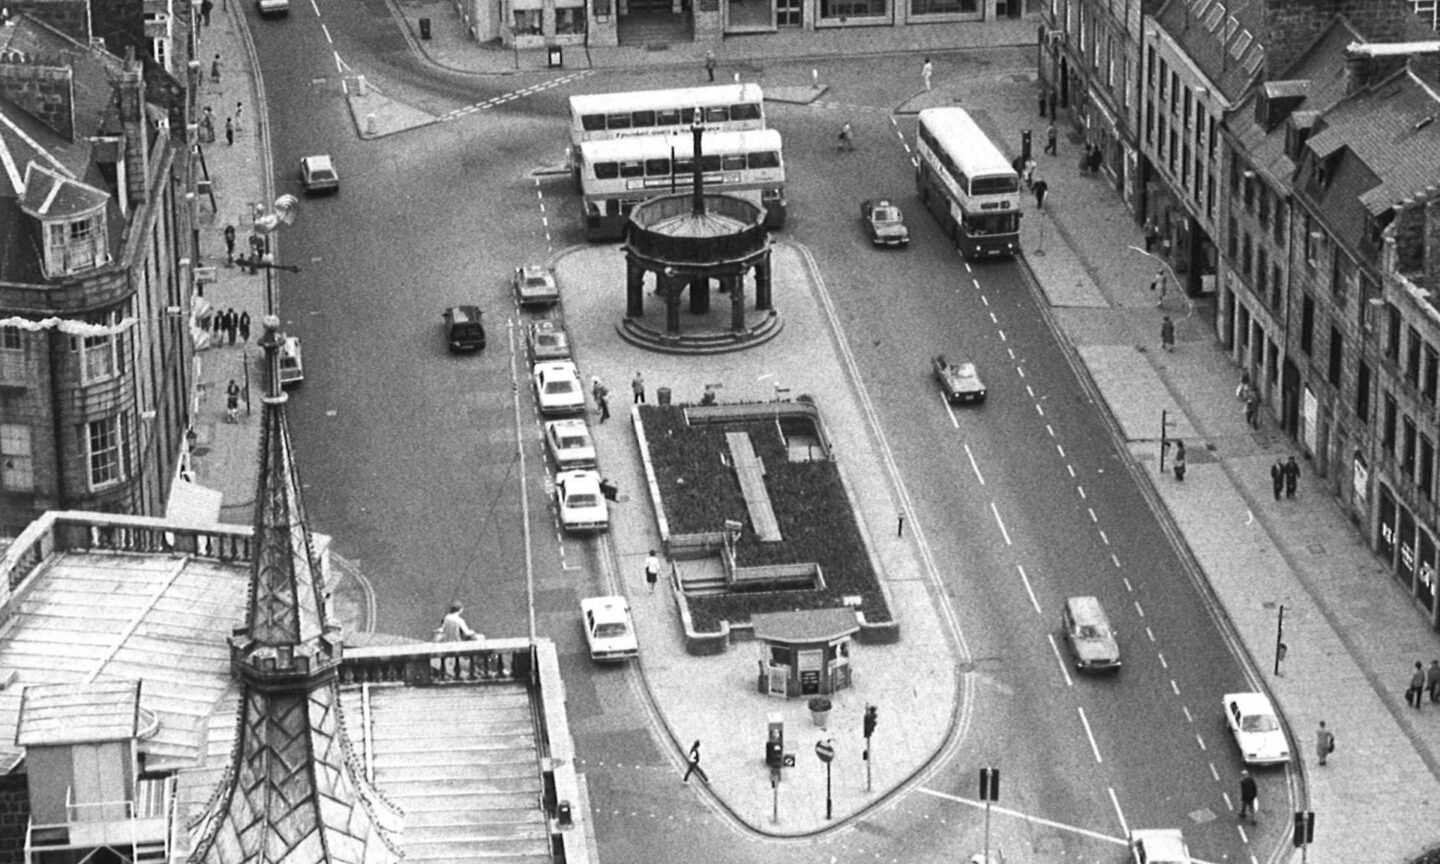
{"x": 1090, "y": 636}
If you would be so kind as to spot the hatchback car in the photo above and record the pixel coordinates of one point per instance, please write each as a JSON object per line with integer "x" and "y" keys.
{"x": 884, "y": 223}
{"x": 1089, "y": 634}
{"x": 317, "y": 174}
{"x": 1159, "y": 846}
{"x": 609, "y": 630}
{"x": 463, "y": 329}
{"x": 570, "y": 444}
{"x": 535, "y": 286}
{"x": 1256, "y": 729}
{"x": 549, "y": 341}
{"x": 582, "y": 505}
{"x": 557, "y": 388}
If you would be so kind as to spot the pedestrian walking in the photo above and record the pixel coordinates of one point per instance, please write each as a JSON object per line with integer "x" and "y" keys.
{"x": 239, "y": 113}
{"x": 244, "y": 326}
{"x": 1085, "y": 160}
{"x": 1249, "y": 796}
{"x": 652, "y": 570}
{"x": 215, "y": 69}
{"x": 927, "y": 72}
{"x": 1417, "y": 686}
{"x": 604, "y": 403}
{"x": 1160, "y": 285}
{"x": 1178, "y": 463}
{"x": 454, "y": 628}
{"x": 232, "y": 402}
{"x": 710, "y": 65}
{"x": 229, "y": 234}
{"x": 694, "y": 767}
{"x": 637, "y": 388}
{"x": 206, "y": 6}
{"x": 1167, "y": 334}
{"x": 232, "y": 323}
{"x": 1041, "y": 189}
{"x": 1252, "y": 407}
{"x": 229, "y": 131}
{"x": 1324, "y": 743}
{"x": 217, "y": 323}
{"x": 1277, "y": 478}
{"x": 207, "y": 126}
{"x": 1151, "y": 235}
{"x": 1432, "y": 680}
{"x": 1052, "y": 139}
{"x": 1027, "y": 170}
{"x": 847, "y": 137}
{"x": 1292, "y": 477}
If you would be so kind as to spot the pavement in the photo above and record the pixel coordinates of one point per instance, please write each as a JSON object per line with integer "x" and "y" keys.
{"x": 1351, "y": 630}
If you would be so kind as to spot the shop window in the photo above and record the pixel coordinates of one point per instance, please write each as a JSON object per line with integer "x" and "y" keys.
{"x": 570, "y": 20}
{"x": 528, "y": 23}
{"x": 831, "y": 9}
{"x": 941, "y": 7}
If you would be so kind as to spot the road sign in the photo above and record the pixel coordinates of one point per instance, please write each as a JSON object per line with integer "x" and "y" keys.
{"x": 825, "y": 749}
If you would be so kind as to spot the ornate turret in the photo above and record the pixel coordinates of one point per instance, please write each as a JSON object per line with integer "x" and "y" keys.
{"x": 293, "y": 792}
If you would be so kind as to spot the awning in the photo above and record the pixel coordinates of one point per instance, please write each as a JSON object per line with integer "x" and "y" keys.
{"x": 193, "y": 506}
{"x": 805, "y": 625}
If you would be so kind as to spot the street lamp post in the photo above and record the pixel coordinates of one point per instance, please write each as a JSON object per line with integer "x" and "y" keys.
{"x": 265, "y": 224}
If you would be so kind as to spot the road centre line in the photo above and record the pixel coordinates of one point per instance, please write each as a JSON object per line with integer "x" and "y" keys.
{"x": 985, "y": 300}
{"x": 1163, "y": 664}
{"x": 1116, "y": 562}
{"x": 1149, "y": 633}
{"x": 1214, "y": 772}
{"x": 1003, "y": 339}
{"x": 1021, "y": 370}
{"x": 1119, "y": 814}
{"x": 1029, "y": 590}
{"x": 326, "y": 31}
{"x": 1093, "y": 518}
{"x": 1071, "y": 468}
{"x": 1125, "y": 580}
{"x": 1001, "y": 523}
{"x": 1139, "y": 610}
{"x": 1059, "y": 448}
{"x": 1030, "y": 391}
{"x": 1105, "y": 538}
{"x": 973, "y": 465}
{"x": 1189, "y": 718}
{"x": 1060, "y": 659}
{"x": 1051, "y": 430}
{"x": 1078, "y": 487}
{"x": 1200, "y": 739}
{"x": 994, "y": 320}
{"x": 1174, "y": 687}
{"x": 1094, "y": 748}
{"x": 1040, "y": 409}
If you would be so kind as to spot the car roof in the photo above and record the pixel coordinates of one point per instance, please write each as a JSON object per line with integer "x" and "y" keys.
{"x": 557, "y": 367}
{"x": 1250, "y": 703}
{"x": 320, "y": 160}
{"x": 568, "y": 423}
{"x": 605, "y": 608}
{"x": 1162, "y": 844}
{"x": 464, "y": 313}
{"x": 533, "y": 269}
{"x": 545, "y": 324}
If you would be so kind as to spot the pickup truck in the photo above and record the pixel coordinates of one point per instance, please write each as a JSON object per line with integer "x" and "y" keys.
{"x": 959, "y": 381}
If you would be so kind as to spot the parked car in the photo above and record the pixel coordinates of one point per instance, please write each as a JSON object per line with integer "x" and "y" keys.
{"x": 317, "y": 173}
{"x": 1159, "y": 846}
{"x": 1256, "y": 729}
{"x": 582, "y": 506}
{"x": 557, "y": 388}
{"x": 273, "y": 7}
{"x": 884, "y": 222}
{"x": 570, "y": 444}
{"x": 549, "y": 341}
{"x": 535, "y": 286}
{"x": 959, "y": 381}
{"x": 609, "y": 629}
{"x": 292, "y": 364}
{"x": 1089, "y": 634}
{"x": 464, "y": 331}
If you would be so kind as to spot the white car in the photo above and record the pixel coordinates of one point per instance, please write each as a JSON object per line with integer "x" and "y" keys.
{"x": 1256, "y": 728}
{"x": 557, "y": 388}
{"x": 582, "y": 505}
{"x": 535, "y": 286}
{"x": 609, "y": 630}
{"x": 1159, "y": 846}
{"x": 317, "y": 174}
{"x": 570, "y": 444}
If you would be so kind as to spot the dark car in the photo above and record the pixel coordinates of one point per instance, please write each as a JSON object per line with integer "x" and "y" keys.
{"x": 884, "y": 223}
{"x": 463, "y": 329}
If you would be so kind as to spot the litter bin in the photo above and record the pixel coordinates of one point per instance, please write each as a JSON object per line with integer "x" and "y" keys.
{"x": 663, "y": 395}
{"x": 424, "y": 28}
{"x": 557, "y": 56}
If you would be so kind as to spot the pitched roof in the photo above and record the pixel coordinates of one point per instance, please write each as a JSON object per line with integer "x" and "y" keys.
{"x": 1223, "y": 38}
{"x": 80, "y": 713}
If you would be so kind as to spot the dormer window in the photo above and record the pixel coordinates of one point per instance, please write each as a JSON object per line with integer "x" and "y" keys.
{"x": 73, "y": 245}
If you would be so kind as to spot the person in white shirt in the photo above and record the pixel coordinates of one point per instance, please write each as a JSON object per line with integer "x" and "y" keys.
{"x": 454, "y": 628}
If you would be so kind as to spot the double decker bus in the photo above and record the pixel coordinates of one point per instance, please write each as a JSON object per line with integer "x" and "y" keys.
{"x": 722, "y": 107}
{"x": 616, "y": 175}
{"x": 967, "y": 183}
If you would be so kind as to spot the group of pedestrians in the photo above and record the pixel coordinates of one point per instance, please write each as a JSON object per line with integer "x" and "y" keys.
{"x": 1424, "y": 683}
{"x": 227, "y": 325}
{"x": 1250, "y": 400}
{"x": 1284, "y": 477}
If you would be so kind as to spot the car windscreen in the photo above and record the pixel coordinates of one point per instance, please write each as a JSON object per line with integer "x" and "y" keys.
{"x": 1259, "y": 723}
{"x": 613, "y": 630}
{"x": 582, "y": 499}
{"x": 558, "y": 388}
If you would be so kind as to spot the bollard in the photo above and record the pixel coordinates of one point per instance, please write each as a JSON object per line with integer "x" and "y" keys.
{"x": 370, "y": 123}
{"x": 662, "y": 395}
{"x": 363, "y": 85}
{"x": 815, "y": 78}
{"x": 737, "y": 77}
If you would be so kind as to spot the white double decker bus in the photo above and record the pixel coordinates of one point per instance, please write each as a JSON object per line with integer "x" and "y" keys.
{"x": 967, "y": 183}
{"x": 616, "y": 175}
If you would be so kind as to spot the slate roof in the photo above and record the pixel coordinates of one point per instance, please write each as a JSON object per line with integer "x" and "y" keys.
{"x": 25, "y": 139}
{"x": 1383, "y": 144}
{"x": 88, "y": 712}
{"x": 1223, "y": 38}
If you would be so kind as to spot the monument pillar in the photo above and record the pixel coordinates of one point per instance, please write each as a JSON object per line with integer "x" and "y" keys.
{"x": 764, "y": 295}
{"x": 736, "y": 283}
{"x": 699, "y": 295}
{"x": 634, "y": 288}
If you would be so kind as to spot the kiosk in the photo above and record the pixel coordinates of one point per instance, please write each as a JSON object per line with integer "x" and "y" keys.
{"x": 805, "y": 652}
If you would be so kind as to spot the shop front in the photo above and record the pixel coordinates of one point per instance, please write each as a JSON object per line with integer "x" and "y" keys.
{"x": 1409, "y": 548}
{"x": 548, "y": 23}
{"x": 761, "y": 16}
{"x": 805, "y": 652}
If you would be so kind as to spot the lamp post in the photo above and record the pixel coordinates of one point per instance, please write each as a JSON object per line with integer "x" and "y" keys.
{"x": 265, "y": 224}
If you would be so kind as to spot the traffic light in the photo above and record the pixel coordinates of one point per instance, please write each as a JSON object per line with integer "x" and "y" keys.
{"x": 1304, "y": 827}
{"x": 871, "y": 714}
{"x": 774, "y": 753}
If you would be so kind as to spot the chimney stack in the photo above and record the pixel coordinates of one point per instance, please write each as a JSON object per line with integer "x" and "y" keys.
{"x": 133, "y": 127}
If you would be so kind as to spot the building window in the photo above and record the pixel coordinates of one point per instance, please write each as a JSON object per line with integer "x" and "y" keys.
{"x": 1337, "y": 352}
{"x": 1209, "y": 196}
{"x": 1232, "y": 240}
{"x": 75, "y": 245}
{"x": 1199, "y": 178}
{"x": 1164, "y": 82}
{"x": 528, "y": 22}
{"x": 830, "y": 9}
{"x": 1407, "y": 449}
{"x": 1249, "y": 191}
{"x": 1427, "y": 390}
{"x": 1387, "y": 426}
{"x": 1185, "y": 165}
{"x": 1392, "y": 342}
{"x": 17, "y": 471}
{"x": 1247, "y": 257}
{"x": 1171, "y": 155}
{"x": 1234, "y": 160}
{"x": 104, "y": 451}
{"x": 1160, "y": 139}
{"x": 1426, "y": 478}
{"x": 1277, "y": 293}
{"x": 1263, "y": 213}
{"x": 570, "y": 20}
{"x": 1150, "y": 123}
{"x": 1279, "y": 223}
{"x": 1199, "y": 126}
{"x": 1188, "y": 102}
{"x": 10, "y": 339}
{"x": 1412, "y": 356}
{"x": 1174, "y": 91}
{"x": 1150, "y": 67}
{"x": 1362, "y": 393}
{"x": 1307, "y": 325}
{"x": 1262, "y": 270}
